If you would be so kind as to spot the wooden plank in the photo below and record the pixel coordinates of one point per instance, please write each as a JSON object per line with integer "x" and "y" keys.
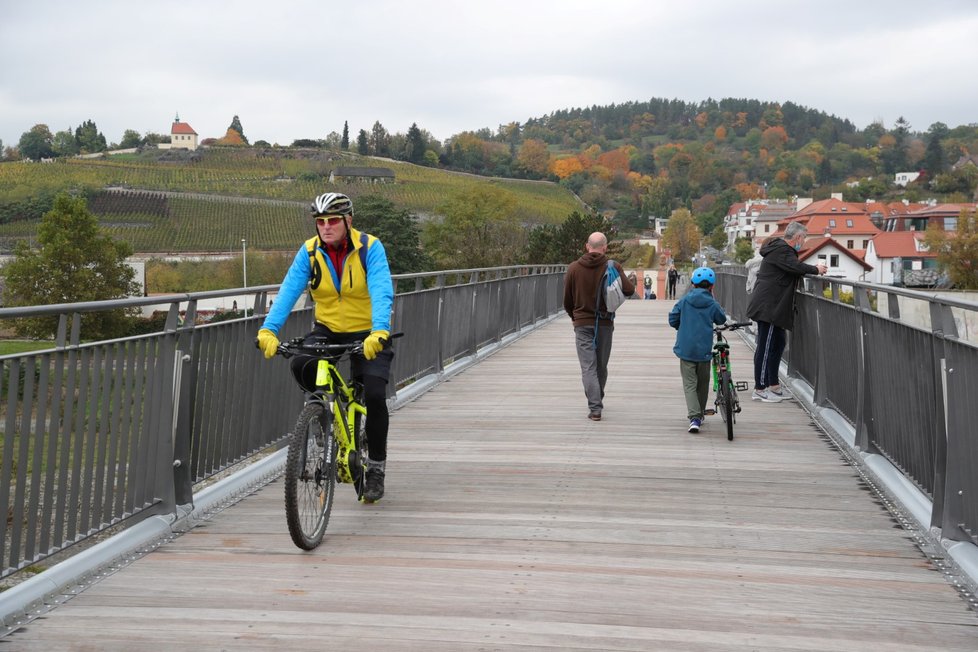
{"x": 513, "y": 522}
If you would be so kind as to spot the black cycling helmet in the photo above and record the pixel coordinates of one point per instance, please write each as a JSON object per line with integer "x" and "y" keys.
{"x": 331, "y": 203}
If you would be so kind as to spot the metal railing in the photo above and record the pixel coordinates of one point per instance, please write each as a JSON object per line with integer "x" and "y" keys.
{"x": 108, "y": 433}
{"x": 902, "y": 367}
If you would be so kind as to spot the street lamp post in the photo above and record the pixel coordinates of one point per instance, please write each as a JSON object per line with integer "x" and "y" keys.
{"x": 244, "y": 268}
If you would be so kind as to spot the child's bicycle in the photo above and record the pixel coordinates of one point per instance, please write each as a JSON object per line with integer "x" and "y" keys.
{"x": 328, "y": 442}
{"x": 727, "y": 403}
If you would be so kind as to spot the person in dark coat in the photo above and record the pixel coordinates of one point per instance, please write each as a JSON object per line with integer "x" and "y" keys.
{"x": 772, "y": 306}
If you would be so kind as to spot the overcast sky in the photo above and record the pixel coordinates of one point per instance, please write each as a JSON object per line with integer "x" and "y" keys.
{"x": 297, "y": 69}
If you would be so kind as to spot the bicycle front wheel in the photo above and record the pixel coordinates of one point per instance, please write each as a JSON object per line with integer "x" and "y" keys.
{"x": 310, "y": 477}
{"x": 727, "y": 402}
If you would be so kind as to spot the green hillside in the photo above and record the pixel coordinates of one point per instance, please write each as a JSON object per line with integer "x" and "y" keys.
{"x": 229, "y": 194}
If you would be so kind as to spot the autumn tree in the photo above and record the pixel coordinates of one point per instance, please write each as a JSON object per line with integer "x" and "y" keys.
{"x": 480, "y": 228}
{"x": 534, "y": 157}
{"x": 231, "y": 139}
{"x": 74, "y": 262}
{"x": 682, "y": 236}
{"x": 236, "y": 125}
{"x": 957, "y": 251}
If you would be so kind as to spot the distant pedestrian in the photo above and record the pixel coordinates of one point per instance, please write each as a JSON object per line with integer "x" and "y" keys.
{"x": 673, "y": 278}
{"x": 649, "y": 294}
{"x": 772, "y": 306}
{"x": 593, "y": 325}
{"x": 693, "y": 317}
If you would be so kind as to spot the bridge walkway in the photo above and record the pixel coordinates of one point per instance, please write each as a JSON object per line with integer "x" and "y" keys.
{"x": 512, "y": 522}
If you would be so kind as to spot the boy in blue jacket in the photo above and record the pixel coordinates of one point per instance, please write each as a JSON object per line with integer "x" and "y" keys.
{"x": 693, "y": 316}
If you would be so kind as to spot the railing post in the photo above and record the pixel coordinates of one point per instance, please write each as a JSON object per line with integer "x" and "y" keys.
{"x": 946, "y": 509}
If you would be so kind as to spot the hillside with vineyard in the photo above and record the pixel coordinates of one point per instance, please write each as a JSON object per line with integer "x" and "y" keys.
{"x": 208, "y": 200}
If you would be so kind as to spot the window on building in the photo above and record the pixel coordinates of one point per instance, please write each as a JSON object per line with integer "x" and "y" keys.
{"x": 834, "y": 260}
{"x": 849, "y": 223}
{"x": 950, "y": 224}
{"x": 850, "y": 244}
{"x": 832, "y": 224}
{"x": 865, "y": 244}
{"x": 767, "y": 228}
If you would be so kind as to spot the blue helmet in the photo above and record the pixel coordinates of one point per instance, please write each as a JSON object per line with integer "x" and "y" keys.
{"x": 701, "y": 274}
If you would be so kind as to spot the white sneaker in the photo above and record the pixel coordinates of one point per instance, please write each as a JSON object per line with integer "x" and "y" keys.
{"x": 766, "y": 396}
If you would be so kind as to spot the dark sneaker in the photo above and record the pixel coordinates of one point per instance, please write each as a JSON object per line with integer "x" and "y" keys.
{"x": 594, "y": 416}
{"x": 375, "y": 486}
{"x": 694, "y": 425}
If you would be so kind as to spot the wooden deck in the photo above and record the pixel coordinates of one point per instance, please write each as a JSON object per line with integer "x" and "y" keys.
{"x": 512, "y": 522}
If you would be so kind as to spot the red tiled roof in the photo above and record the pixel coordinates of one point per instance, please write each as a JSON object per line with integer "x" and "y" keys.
{"x": 831, "y": 207}
{"x": 952, "y": 210}
{"x": 900, "y": 243}
{"x": 182, "y": 128}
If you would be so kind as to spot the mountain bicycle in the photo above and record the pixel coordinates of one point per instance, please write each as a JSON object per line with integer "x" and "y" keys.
{"x": 727, "y": 403}
{"x": 327, "y": 444}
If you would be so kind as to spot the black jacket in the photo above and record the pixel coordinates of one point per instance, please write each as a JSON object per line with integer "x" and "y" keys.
{"x": 773, "y": 298}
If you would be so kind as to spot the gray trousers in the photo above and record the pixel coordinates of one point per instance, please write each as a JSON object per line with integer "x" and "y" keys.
{"x": 594, "y": 362}
{"x": 696, "y": 386}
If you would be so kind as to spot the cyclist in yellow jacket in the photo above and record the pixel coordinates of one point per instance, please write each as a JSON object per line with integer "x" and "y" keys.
{"x": 348, "y": 275}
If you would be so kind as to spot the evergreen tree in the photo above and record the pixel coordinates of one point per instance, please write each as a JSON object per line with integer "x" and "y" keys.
{"x": 236, "y": 125}
{"x": 415, "y": 147}
{"x": 89, "y": 139}
{"x": 934, "y": 159}
{"x": 397, "y": 229}
{"x": 363, "y": 144}
{"x": 345, "y": 140}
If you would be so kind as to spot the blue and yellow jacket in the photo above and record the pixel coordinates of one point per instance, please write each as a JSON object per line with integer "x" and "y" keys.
{"x": 348, "y": 300}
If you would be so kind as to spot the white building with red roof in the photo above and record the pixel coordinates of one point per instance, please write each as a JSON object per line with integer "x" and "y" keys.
{"x": 841, "y": 262}
{"x": 182, "y": 136}
{"x": 901, "y": 257}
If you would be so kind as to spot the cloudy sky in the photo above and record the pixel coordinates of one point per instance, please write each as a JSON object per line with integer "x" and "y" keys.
{"x": 297, "y": 69}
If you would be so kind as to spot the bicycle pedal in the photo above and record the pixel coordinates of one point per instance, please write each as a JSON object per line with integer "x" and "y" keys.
{"x": 709, "y": 412}
{"x": 741, "y": 385}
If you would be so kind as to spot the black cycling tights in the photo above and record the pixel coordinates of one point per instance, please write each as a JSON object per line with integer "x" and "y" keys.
{"x": 378, "y": 420}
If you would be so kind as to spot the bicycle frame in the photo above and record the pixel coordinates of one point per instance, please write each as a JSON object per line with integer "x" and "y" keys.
{"x": 339, "y": 399}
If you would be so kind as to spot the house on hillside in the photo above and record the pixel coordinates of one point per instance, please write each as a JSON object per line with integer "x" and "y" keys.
{"x": 361, "y": 175}
{"x": 841, "y": 262}
{"x": 901, "y": 258}
{"x": 182, "y": 136}
{"x": 903, "y": 178}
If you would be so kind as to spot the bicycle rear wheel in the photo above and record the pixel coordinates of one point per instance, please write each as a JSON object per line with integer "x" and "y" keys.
{"x": 726, "y": 401}
{"x": 310, "y": 477}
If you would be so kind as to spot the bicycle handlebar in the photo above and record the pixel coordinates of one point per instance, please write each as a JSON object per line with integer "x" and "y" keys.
{"x": 732, "y": 326}
{"x": 324, "y": 349}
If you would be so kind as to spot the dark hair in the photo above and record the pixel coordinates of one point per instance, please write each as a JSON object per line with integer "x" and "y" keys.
{"x": 706, "y": 285}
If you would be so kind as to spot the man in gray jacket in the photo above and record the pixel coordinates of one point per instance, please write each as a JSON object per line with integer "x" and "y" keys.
{"x": 772, "y": 306}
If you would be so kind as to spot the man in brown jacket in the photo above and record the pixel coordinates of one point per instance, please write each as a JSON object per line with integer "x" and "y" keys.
{"x": 581, "y": 297}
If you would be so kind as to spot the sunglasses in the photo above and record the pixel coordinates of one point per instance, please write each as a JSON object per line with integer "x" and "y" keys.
{"x": 332, "y": 221}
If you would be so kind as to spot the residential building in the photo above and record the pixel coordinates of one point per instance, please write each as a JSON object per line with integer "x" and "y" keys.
{"x": 942, "y": 216}
{"x": 901, "y": 258}
{"x": 903, "y": 178}
{"x": 839, "y": 261}
{"x": 847, "y": 223}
